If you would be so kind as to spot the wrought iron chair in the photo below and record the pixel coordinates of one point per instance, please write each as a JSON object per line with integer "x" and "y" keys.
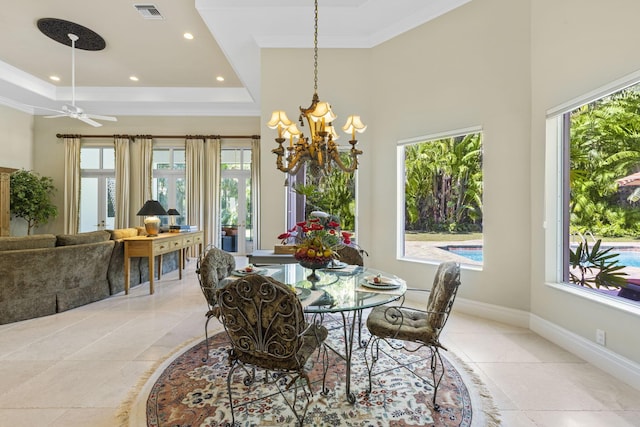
{"x": 267, "y": 330}
{"x": 351, "y": 255}
{"x": 213, "y": 265}
{"x": 409, "y": 329}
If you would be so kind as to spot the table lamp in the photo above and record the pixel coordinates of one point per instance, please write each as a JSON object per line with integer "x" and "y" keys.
{"x": 151, "y": 209}
{"x": 173, "y": 213}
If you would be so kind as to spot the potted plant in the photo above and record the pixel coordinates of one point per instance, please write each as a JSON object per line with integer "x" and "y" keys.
{"x": 595, "y": 267}
{"x": 30, "y": 198}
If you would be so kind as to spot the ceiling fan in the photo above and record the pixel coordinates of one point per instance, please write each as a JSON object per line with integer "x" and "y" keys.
{"x": 72, "y": 110}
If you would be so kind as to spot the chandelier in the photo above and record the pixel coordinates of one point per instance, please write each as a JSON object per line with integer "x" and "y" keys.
{"x": 319, "y": 150}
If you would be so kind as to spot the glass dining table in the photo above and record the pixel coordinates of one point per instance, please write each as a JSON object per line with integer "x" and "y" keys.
{"x": 345, "y": 290}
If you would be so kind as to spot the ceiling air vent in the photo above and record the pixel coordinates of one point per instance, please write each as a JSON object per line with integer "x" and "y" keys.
{"x": 148, "y": 11}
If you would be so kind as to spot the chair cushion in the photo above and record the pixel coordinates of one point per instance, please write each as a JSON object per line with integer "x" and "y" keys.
{"x": 445, "y": 284}
{"x": 401, "y": 323}
{"x": 122, "y": 233}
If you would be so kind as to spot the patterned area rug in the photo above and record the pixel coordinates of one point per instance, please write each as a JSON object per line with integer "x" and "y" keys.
{"x": 192, "y": 393}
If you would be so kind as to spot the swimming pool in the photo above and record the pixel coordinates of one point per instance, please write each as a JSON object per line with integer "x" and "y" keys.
{"x": 629, "y": 256}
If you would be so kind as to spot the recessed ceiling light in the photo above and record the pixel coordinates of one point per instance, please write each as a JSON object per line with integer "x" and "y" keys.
{"x": 220, "y": 78}
{"x": 54, "y": 78}
{"x": 188, "y": 36}
{"x": 133, "y": 78}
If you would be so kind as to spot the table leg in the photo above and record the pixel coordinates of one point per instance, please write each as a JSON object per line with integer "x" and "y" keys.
{"x": 348, "y": 351}
{"x": 151, "y": 272}
{"x": 180, "y": 262}
{"x": 160, "y": 267}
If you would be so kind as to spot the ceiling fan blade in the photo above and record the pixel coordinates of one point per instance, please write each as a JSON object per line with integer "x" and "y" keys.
{"x": 89, "y": 121}
{"x": 55, "y": 116}
{"x": 98, "y": 117}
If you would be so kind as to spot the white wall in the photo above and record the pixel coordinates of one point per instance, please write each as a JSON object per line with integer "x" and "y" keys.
{"x": 577, "y": 46}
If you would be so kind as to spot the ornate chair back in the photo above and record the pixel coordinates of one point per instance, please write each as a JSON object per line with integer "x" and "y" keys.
{"x": 213, "y": 265}
{"x": 264, "y": 321}
{"x": 350, "y": 255}
{"x": 442, "y": 295}
{"x": 266, "y": 326}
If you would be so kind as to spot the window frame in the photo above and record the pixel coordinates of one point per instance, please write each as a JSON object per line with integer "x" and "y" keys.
{"x": 400, "y": 190}
{"x": 556, "y": 197}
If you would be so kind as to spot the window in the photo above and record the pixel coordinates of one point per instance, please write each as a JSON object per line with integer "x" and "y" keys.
{"x": 600, "y": 147}
{"x": 97, "y": 188}
{"x": 168, "y": 186}
{"x": 235, "y": 200}
{"x": 334, "y": 193}
{"x": 441, "y": 197}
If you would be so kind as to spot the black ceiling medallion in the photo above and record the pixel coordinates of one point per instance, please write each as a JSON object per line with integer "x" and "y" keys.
{"x": 58, "y": 30}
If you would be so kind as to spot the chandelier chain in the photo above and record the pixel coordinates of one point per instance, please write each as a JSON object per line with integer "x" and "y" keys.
{"x": 315, "y": 49}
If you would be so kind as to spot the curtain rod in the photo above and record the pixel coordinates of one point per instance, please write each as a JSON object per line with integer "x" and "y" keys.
{"x": 60, "y": 135}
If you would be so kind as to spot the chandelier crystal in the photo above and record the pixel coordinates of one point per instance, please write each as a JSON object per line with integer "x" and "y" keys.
{"x": 319, "y": 149}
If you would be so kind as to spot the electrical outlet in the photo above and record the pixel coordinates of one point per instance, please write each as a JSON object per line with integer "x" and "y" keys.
{"x": 600, "y": 337}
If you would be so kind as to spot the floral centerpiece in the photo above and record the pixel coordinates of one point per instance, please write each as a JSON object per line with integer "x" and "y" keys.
{"x": 316, "y": 239}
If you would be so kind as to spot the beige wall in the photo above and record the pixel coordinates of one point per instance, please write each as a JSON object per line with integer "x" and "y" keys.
{"x": 467, "y": 68}
{"x": 577, "y": 47}
{"x": 16, "y": 139}
{"x": 16, "y": 149}
{"x": 49, "y": 158}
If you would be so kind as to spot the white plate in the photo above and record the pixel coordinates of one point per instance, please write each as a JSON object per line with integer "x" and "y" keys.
{"x": 380, "y": 286}
{"x": 244, "y": 273}
{"x": 336, "y": 265}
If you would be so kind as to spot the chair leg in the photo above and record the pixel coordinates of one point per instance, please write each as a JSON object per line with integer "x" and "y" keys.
{"x": 372, "y": 346}
{"x": 206, "y": 339}
{"x": 436, "y": 359}
{"x": 229, "y": 378}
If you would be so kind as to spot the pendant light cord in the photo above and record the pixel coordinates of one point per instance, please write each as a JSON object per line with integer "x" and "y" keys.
{"x": 315, "y": 49}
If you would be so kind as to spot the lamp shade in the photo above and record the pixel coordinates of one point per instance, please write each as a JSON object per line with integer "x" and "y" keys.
{"x": 173, "y": 211}
{"x": 278, "y": 119}
{"x": 152, "y": 207}
{"x": 353, "y": 125}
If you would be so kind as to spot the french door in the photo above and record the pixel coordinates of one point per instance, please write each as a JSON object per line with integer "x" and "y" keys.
{"x": 97, "y": 204}
{"x": 236, "y": 212}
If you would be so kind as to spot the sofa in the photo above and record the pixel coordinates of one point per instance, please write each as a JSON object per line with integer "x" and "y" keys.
{"x": 46, "y": 274}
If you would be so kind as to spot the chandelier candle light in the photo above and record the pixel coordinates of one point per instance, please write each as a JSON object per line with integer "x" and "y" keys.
{"x": 320, "y": 149}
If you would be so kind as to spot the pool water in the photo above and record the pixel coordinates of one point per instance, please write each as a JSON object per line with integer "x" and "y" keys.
{"x": 629, "y": 257}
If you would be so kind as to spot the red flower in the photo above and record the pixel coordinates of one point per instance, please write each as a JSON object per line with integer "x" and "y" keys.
{"x": 333, "y": 224}
{"x": 284, "y": 236}
{"x": 301, "y": 223}
{"x": 316, "y": 226}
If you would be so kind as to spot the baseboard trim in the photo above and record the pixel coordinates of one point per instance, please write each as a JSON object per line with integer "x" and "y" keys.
{"x": 624, "y": 369}
{"x": 494, "y": 312}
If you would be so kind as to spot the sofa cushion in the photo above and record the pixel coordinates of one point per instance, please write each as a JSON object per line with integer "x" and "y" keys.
{"x": 27, "y": 242}
{"x": 121, "y": 233}
{"x": 82, "y": 238}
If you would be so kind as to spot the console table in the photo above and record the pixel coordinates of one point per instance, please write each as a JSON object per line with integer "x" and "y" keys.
{"x": 149, "y": 247}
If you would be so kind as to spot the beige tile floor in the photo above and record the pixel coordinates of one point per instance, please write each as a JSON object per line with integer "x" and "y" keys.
{"x": 76, "y": 368}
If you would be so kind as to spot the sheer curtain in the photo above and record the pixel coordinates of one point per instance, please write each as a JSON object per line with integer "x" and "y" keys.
{"x": 255, "y": 190}
{"x": 123, "y": 184}
{"x": 212, "y": 191}
{"x": 194, "y": 157}
{"x": 71, "y": 184}
{"x": 141, "y": 151}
